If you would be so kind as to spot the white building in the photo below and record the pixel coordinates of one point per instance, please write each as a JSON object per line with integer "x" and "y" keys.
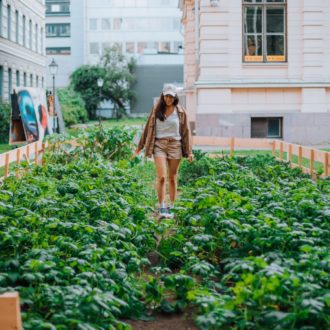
{"x": 22, "y": 55}
{"x": 79, "y": 31}
{"x": 258, "y": 68}
{"x": 64, "y": 37}
{"x": 135, "y": 27}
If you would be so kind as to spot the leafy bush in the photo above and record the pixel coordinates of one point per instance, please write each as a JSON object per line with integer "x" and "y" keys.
{"x": 72, "y": 106}
{"x": 201, "y": 166}
{"x": 256, "y": 234}
{"x": 74, "y": 238}
{"x": 5, "y": 112}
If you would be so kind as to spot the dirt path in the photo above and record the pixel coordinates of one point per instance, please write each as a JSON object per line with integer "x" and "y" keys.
{"x": 165, "y": 322}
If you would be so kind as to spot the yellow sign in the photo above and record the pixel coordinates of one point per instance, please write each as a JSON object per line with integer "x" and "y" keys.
{"x": 249, "y": 58}
{"x": 276, "y": 58}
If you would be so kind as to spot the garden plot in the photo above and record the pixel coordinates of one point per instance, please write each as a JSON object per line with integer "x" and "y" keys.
{"x": 249, "y": 248}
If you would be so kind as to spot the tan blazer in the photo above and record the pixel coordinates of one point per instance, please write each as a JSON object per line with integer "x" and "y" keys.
{"x": 148, "y": 137}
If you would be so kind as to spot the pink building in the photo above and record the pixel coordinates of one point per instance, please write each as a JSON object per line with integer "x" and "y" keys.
{"x": 258, "y": 68}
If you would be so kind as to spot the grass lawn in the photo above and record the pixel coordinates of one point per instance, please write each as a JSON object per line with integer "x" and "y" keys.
{"x": 5, "y": 147}
{"x": 305, "y": 162}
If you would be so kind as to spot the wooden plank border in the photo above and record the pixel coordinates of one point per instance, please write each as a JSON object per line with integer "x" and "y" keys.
{"x": 10, "y": 311}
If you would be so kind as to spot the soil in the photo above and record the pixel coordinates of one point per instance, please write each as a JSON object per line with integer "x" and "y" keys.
{"x": 165, "y": 322}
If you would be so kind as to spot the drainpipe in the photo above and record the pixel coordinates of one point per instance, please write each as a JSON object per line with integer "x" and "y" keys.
{"x": 197, "y": 39}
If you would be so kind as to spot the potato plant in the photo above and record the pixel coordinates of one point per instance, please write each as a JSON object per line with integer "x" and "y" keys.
{"x": 74, "y": 235}
{"x": 249, "y": 248}
{"x": 255, "y": 236}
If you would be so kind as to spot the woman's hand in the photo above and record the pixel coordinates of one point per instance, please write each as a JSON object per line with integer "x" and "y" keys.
{"x": 136, "y": 153}
{"x": 190, "y": 158}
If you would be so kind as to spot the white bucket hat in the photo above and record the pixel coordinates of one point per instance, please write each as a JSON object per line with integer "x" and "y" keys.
{"x": 169, "y": 89}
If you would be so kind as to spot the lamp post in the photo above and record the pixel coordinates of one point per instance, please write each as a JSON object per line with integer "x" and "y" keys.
{"x": 100, "y": 82}
{"x": 53, "y": 67}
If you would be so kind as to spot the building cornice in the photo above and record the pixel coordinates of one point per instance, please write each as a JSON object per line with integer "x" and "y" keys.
{"x": 23, "y": 54}
{"x": 36, "y": 7}
{"x": 262, "y": 84}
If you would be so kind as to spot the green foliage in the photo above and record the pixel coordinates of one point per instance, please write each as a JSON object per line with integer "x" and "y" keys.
{"x": 249, "y": 248}
{"x": 74, "y": 235}
{"x": 256, "y": 234}
{"x": 112, "y": 143}
{"x": 201, "y": 166}
{"x": 72, "y": 106}
{"x": 117, "y": 74}
{"x": 84, "y": 81}
{"x": 5, "y": 112}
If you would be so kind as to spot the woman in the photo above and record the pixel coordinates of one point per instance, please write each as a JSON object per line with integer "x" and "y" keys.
{"x": 167, "y": 137}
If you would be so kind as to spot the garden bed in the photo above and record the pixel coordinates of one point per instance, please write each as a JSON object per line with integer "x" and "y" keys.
{"x": 249, "y": 248}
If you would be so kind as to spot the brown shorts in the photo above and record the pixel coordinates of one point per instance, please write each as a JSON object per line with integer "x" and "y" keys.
{"x": 168, "y": 148}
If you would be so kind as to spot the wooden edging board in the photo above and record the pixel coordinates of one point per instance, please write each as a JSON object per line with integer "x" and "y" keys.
{"x": 10, "y": 311}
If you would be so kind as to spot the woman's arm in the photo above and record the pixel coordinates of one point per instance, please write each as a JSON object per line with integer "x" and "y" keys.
{"x": 186, "y": 136}
{"x": 144, "y": 134}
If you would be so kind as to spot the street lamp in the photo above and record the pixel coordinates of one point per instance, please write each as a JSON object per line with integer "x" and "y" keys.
{"x": 53, "y": 67}
{"x": 100, "y": 82}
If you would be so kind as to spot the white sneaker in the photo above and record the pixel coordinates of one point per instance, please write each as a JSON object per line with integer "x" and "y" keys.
{"x": 165, "y": 213}
{"x": 162, "y": 213}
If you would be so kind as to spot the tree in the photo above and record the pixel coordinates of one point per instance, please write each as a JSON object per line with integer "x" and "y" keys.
{"x": 117, "y": 73}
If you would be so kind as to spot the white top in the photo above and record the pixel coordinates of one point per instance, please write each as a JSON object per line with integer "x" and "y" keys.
{"x": 169, "y": 128}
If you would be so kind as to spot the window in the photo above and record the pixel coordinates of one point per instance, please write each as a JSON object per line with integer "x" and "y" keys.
{"x": 30, "y": 34}
{"x": 17, "y": 26}
{"x": 106, "y": 24}
{"x": 0, "y": 23}
{"x": 1, "y": 81}
{"x": 58, "y": 8}
{"x": 17, "y": 79}
{"x": 24, "y": 79}
{"x": 58, "y": 30}
{"x": 9, "y": 22}
{"x": 94, "y": 48}
{"x": 93, "y": 24}
{"x": 10, "y": 82}
{"x": 58, "y": 50}
{"x": 141, "y": 46}
{"x": 31, "y": 80}
{"x": 105, "y": 47}
{"x": 24, "y": 30}
{"x": 42, "y": 82}
{"x": 36, "y": 37}
{"x": 164, "y": 47}
{"x": 42, "y": 40}
{"x": 264, "y": 27}
{"x": 118, "y": 46}
{"x": 117, "y": 23}
{"x": 266, "y": 127}
{"x": 150, "y": 47}
{"x": 130, "y": 47}
{"x": 37, "y": 81}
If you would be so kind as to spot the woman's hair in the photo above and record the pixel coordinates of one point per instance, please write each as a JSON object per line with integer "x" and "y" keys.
{"x": 161, "y": 106}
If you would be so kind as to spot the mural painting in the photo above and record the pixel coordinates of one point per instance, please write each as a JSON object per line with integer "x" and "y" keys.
{"x": 30, "y": 120}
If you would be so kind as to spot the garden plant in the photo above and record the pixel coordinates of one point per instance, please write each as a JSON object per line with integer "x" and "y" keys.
{"x": 248, "y": 249}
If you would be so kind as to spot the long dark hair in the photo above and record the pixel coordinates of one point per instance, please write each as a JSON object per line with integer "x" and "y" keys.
{"x": 161, "y": 106}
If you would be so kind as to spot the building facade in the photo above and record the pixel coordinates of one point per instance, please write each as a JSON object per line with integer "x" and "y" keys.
{"x": 79, "y": 32}
{"x": 22, "y": 42}
{"x": 258, "y": 68}
{"x": 64, "y": 37}
{"x": 149, "y": 31}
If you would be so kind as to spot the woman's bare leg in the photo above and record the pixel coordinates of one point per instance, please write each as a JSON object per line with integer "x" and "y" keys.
{"x": 173, "y": 167}
{"x": 160, "y": 163}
